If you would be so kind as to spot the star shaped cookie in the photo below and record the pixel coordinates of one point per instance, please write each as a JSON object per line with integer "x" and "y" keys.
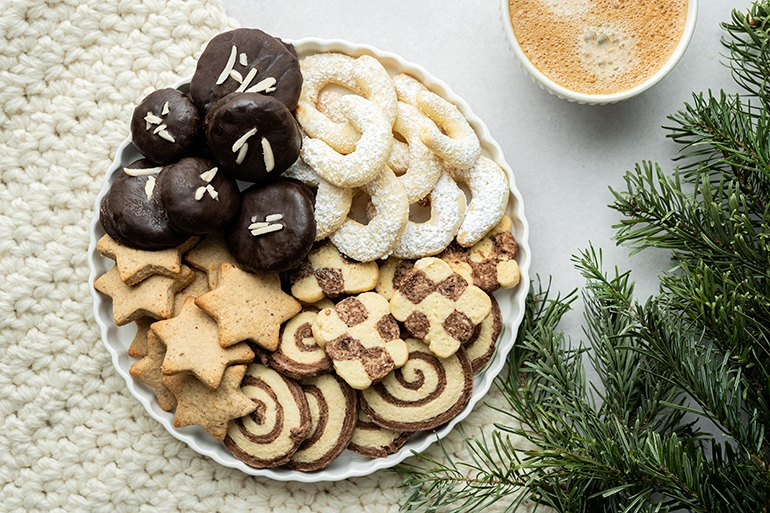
{"x": 136, "y": 265}
{"x": 210, "y": 409}
{"x": 147, "y": 370}
{"x": 248, "y": 306}
{"x": 208, "y": 254}
{"x": 192, "y": 345}
{"x": 152, "y": 297}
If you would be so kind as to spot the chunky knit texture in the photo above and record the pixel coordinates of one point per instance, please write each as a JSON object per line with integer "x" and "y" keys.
{"x": 72, "y": 438}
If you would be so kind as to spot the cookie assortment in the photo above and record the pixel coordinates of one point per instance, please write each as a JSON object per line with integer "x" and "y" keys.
{"x": 285, "y": 297}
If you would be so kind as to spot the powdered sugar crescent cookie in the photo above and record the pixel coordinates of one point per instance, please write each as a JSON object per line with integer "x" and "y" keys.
{"x": 481, "y": 346}
{"x": 326, "y": 272}
{"x": 423, "y": 394}
{"x": 332, "y": 203}
{"x": 407, "y": 88}
{"x": 488, "y": 184}
{"x": 361, "y": 338}
{"x": 333, "y": 406}
{"x": 447, "y": 209}
{"x": 490, "y": 263}
{"x": 391, "y": 273}
{"x": 424, "y": 167}
{"x": 298, "y": 355}
{"x": 272, "y": 434}
{"x": 376, "y": 239}
{"x": 370, "y": 155}
{"x": 364, "y": 75}
{"x": 456, "y": 142}
{"x": 438, "y": 306}
{"x": 373, "y": 441}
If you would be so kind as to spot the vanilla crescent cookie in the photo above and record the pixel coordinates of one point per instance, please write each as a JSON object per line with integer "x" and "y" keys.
{"x": 489, "y": 188}
{"x": 371, "y": 152}
{"x": 361, "y": 338}
{"x": 481, "y": 346}
{"x": 373, "y": 441}
{"x": 456, "y": 142}
{"x": 298, "y": 355}
{"x": 438, "y": 305}
{"x": 490, "y": 263}
{"x": 447, "y": 209}
{"x": 270, "y": 435}
{"x": 424, "y": 167}
{"x": 378, "y": 238}
{"x": 332, "y": 203}
{"x": 364, "y": 75}
{"x": 327, "y": 273}
{"x": 407, "y": 88}
{"x": 333, "y": 407}
{"x": 423, "y": 394}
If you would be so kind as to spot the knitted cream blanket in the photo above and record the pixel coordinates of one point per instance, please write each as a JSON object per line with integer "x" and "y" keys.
{"x": 72, "y": 438}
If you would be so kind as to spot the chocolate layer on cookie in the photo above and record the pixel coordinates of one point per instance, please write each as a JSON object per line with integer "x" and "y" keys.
{"x": 246, "y": 59}
{"x": 275, "y": 227}
{"x": 164, "y": 125}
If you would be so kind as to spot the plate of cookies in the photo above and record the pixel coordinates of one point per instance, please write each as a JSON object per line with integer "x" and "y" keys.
{"x": 308, "y": 260}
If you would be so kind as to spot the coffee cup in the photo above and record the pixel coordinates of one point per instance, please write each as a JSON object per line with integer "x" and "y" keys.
{"x": 597, "y": 52}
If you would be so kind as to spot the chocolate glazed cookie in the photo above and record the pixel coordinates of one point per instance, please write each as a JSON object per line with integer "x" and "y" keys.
{"x": 275, "y": 227}
{"x": 129, "y": 214}
{"x": 246, "y": 60}
{"x": 254, "y": 138}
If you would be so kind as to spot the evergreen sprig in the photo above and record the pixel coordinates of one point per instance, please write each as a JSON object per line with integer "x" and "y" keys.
{"x": 678, "y": 418}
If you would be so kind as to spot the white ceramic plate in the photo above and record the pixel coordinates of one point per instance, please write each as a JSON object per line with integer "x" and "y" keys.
{"x": 348, "y": 464}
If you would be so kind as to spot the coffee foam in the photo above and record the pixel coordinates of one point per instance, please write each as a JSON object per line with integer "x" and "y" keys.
{"x": 599, "y": 47}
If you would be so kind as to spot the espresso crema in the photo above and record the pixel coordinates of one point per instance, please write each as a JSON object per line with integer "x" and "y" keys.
{"x": 598, "y": 46}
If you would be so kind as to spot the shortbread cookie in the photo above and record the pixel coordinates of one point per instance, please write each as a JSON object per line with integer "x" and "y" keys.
{"x": 197, "y": 287}
{"x": 248, "y": 306}
{"x": 153, "y": 297}
{"x": 392, "y": 271}
{"x": 275, "y": 227}
{"x": 246, "y": 60}
{"x": 271, "y": 435}
{"x": 447, "y": 209}
{"x": 333, "y": 406}
{"x": 147, "y": 370}
{"x": 138, "y": 347}
{"x": 423, "y": 394}
{"x": 361, "y": 338}
{"x": 135, "y": 265}
{"x": 439, "y": 306}
{"x": 489, "y": 188}
{"x": 490, "y": 263}
{"x": 210, "y": 409}
{"x": 298, "y": 354}
{"x": 208, "y": 254}
{"x": 376, "y": 239}
{"x": 481, "y": 346}
{"x": 328, "y": 273}
{"x": 373, "y": 441}
{"x": 192, "y": 346}
{"x": 165, "y": 125}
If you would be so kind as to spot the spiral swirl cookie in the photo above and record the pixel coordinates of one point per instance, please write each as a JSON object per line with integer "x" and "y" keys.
{"x": 423, "y": 394}
{"x": 361, "y": 338}
{"x": 373, "y": 441}
{"x": 439, "y": 306}
{"x": 333, "y": 406}
{"x": 298, "y": 354}
{"x": 327, "y": 273}
{"x": 481, "y": 346}
{"x": 270, "y": 435}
